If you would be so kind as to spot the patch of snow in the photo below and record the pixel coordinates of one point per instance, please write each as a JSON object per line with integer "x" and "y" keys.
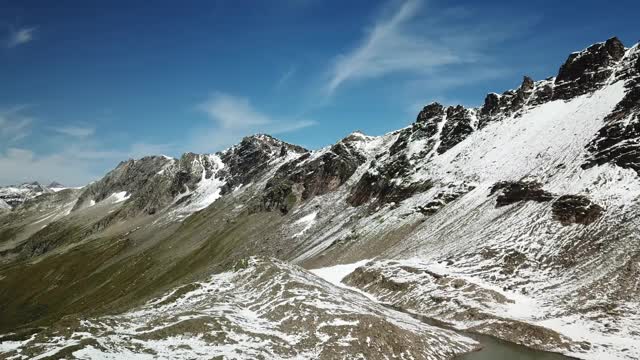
{"x": 207, "y": 190}
{"x": 118, "y": 197}
{"x": 307, "y": 221}
{"x": 335, "y": 274}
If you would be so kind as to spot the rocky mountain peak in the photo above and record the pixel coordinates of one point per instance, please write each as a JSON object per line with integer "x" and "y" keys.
{"x": 429, "y": 112}
{"x": 55, "y": 184}
{"x": 252, "y": 156}
{"x": 265, "y": 143}
{"x": 587, "y": 70}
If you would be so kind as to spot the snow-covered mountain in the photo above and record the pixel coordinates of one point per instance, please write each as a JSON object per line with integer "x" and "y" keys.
{"x": 516, "y": 220}
{"x": 12, "y": 196}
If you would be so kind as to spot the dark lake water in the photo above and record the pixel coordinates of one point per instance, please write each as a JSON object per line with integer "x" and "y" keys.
{"x": 492, "y": 347}
{"x": 496, "y": 349}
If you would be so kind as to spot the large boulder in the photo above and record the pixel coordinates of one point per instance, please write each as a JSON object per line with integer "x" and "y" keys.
{"x": 576, "y": 209}
{"x": 516, "y": 191}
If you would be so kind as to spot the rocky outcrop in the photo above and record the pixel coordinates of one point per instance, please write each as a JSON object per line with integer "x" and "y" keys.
{"x": 56, "y": 185}
{"x": 497, "y": 107}
{"x": 384, "y": 183}
{"x": 442, "y": 198}
{"x": 618, "y": 141}
{"x": 308, "y": 176}
{"x": 587, "y": 70}
{"x": 251, "y": 158}
{"x": 132, "y": 176}
{"x": 425, "y": 128}
{"x": 436, "y": 127}
{"x": 156, "y": 182}
{"x": 458, "y": 126}
{"x": 448, "y": 299}
{"x": 517, "y": 191}
{"x": 576, "y": 209}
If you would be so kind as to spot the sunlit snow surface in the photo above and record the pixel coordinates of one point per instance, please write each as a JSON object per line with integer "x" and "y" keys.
{"x": 118, "y": 197}
{"x": 306, "y": 222}
{"x": 206, "y": 192}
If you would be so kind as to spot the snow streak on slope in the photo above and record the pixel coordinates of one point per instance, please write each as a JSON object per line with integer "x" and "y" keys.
{"x": 206, "y": 191}
{"x": 262, "y": 309}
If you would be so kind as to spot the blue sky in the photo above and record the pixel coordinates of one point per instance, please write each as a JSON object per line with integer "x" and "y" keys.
{"x": 88, "y": 84}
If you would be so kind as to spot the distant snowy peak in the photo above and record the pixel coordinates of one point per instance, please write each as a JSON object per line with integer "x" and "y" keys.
{"x": 14, "y": 195}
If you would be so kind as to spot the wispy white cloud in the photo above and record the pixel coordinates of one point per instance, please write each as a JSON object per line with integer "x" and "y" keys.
{"x": 80, "y": 156}
{"x": 73, "y": 164}
{"x": 391, "y": 46}
{"x": 75, "y": 131}
{"x": 14, "y": 124}
{"x": 236, "y": 113}
{"x": 234, "y": 117}
{"x": 232, "y": 112}
{"x": 29, "y": 152}
{"x": 22, "y": 165}
{"x": 429, "y": 42}
{"x": 285, "y": 77}
{"x": 21, "y": 36}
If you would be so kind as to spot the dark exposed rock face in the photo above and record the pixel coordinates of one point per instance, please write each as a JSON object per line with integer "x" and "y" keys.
{"x": 587, "y": 70}
{"x": 154, "y": 182}
{"x": 516, "y": 191}
{"x": 303, "y": 178}
{"x": 249, "y": 159}
{"x": 132, "y": 176}
{"x": 425, "y": 127}
{"x": 491, "y": 105}
{"x": 457, "y": 127}
{"x": 512, "y": 261}
{"x": 543, "y": 92}
{"x": 576, "y": 209}
{"x": 618, "y": 141}
{"x": 458, "y": 124}
{"x": 510, "y": 102}
{"x": 382, "y": 183}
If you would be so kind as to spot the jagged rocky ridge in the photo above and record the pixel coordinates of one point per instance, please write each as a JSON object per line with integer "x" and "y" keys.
{"x": 524, "y": 210}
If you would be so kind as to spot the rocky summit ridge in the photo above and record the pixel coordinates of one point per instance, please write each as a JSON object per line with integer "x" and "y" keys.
{"x": 517, "y": 219}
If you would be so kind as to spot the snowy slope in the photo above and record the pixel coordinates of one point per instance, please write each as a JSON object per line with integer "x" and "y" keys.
{"x": 262, "y": 309}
